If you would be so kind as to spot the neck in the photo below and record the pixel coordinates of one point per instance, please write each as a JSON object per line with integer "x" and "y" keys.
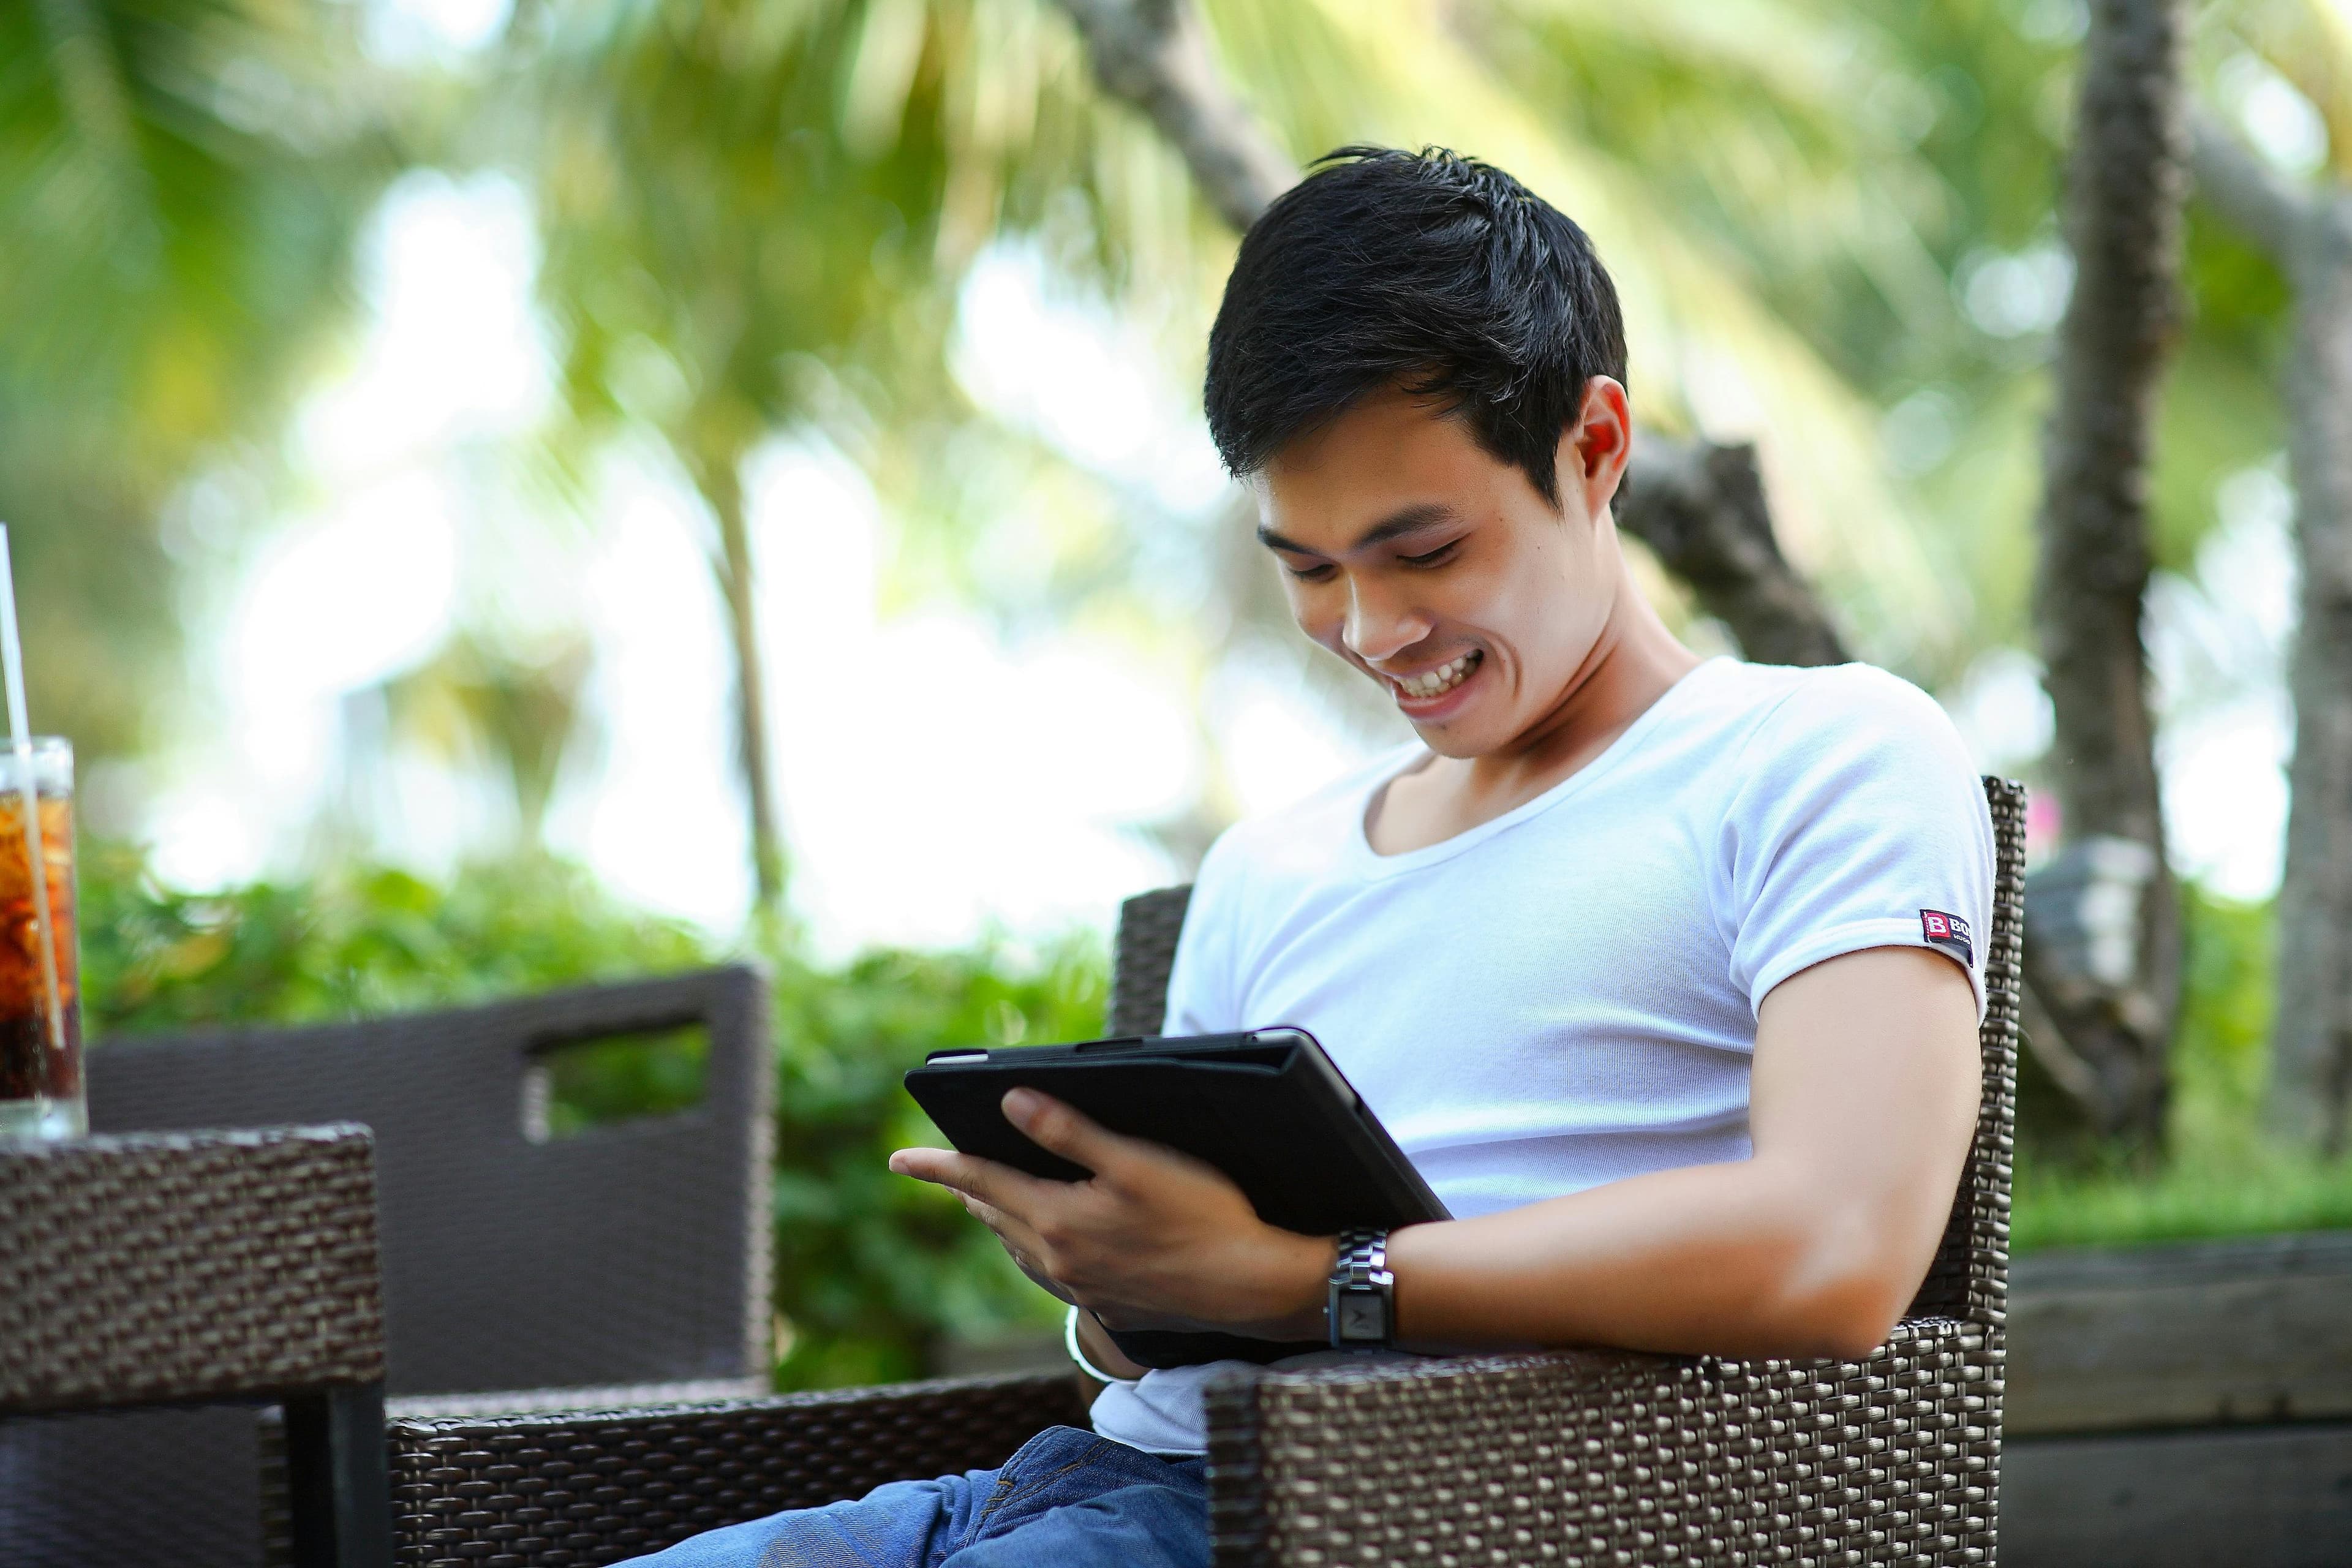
{"x": 1631, "y": 665}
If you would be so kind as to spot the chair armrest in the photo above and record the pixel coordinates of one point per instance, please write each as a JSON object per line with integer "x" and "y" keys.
{"x": 1593, "y": 1458}
{"x": 603, "y": 1485}
{"x": 606, "y": 1396}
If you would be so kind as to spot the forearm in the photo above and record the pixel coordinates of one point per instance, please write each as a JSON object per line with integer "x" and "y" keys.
{"x": 1750, "y": 1257}
{"x": 1746, "y": 1258}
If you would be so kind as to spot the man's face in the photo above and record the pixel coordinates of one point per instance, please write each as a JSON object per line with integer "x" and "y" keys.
{"x": 1442, "y": 572}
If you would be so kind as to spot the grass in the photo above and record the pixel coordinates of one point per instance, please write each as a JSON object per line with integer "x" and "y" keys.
{"x": 2196, "y": 1196}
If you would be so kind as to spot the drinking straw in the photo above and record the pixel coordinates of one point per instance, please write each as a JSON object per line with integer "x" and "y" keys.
{"x": 20, "y": 743}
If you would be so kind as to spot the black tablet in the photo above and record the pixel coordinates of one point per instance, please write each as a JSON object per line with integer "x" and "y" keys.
{"x": 1266, "y": 1107}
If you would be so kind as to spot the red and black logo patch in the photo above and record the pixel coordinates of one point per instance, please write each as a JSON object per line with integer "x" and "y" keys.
{"x": 1948, "y": 933}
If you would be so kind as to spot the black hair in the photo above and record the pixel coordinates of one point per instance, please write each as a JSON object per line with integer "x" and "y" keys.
{"x": 1429, "y": 270}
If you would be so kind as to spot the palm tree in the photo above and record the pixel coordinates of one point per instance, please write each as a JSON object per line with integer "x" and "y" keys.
{"x": 756, "y": 216}
{"x": 181, "y": 182}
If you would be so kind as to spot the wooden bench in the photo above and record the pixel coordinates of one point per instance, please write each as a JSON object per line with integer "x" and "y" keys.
{"x": 2180, "y": 1405}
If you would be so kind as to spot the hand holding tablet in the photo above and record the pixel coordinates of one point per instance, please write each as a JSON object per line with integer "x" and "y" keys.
{"x": 1267, "y": 1109}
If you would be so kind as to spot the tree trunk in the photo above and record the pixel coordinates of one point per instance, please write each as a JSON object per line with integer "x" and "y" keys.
{"x": 1154, "y": 56}
{"x": 720, "y": 481}
{"x": 2114, "y": 990}
{"x": 2309, "y": 235}
{"x": 2311, "y": 1039}
{"x": 1700, "y": 508}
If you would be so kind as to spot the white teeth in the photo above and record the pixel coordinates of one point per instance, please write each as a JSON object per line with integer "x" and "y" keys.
{"x": 1444, "y": 678}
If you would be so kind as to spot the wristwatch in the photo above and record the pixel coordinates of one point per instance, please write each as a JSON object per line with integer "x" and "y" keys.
{"x": 1363, "y": 1293}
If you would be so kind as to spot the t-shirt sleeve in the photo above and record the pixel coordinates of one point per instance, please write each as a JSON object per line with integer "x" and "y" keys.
{"x": 1202, "y": 985}
{"x": 1858, "y": 821}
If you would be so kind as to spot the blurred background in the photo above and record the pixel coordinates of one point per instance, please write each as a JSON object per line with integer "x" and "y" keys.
{"x": 417, "y": 416}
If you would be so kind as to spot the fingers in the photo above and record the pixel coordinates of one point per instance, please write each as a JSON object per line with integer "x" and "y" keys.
{"x": 1022, "y": 1245}
{"x": 1020, "y": 1238}
{"x": 996, "y": 1195}
{"x": 1070, "y": 1132}
{"x": 1000, "y": 1186}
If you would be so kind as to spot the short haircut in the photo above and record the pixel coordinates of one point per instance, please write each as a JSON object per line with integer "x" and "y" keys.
{"x": 1427, "y": 270}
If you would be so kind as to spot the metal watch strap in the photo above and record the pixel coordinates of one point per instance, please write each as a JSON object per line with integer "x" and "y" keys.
{"x": 1362, "y": 1299}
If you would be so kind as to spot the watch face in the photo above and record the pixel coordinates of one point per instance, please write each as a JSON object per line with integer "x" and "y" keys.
{"x": 1363, "y": 1316}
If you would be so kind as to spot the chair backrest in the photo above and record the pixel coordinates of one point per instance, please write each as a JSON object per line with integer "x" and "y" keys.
{"x": 633, "y": 1252}
{"x": 1969, "y": 1278}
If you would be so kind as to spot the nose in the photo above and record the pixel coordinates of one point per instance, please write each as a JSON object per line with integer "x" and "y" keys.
{"x": 1378, "y": 626}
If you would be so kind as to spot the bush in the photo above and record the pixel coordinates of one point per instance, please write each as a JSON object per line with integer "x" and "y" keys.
{"x": 2218, "y": 1175}
{"x": 355, "y": 944}
{"x": 874, "y": 1271}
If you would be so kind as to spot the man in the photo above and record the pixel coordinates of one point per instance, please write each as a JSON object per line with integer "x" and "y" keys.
{"x": 1664, "y": 972}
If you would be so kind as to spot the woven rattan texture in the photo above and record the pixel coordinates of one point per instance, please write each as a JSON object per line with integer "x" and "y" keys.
{"x": 1969, "y": 1277}
{"x": 171, "y": 1267}
{"x": 1580, "y": 1460}
{"x": 632, "y": 1252}
{"x": 65, "y": 1482}
{"x": 1143, "y": 953}
{"x": 538, "y": 1491}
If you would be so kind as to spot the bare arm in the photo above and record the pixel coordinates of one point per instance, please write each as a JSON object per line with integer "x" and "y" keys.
{"x": 1862, "y": 1103}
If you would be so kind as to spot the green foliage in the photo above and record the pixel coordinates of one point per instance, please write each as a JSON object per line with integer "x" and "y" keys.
{"x": 2220, "y": 1049}
{"x": 873, "y": 1268}
{"x": 619, "y": 1078}
{"x": 355, "y": 943}
{"x": 181, "y": 186}
{"x": 873, "y": 1271}
{"x": 2217, "y": 1177}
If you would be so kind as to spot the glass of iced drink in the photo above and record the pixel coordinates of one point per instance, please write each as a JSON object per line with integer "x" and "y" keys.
{"x": 40, "y": 967}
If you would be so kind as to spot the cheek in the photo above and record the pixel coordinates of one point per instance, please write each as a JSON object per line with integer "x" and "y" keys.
{"x": 1316, "y": 610}
{"x": 1543, "y": 630}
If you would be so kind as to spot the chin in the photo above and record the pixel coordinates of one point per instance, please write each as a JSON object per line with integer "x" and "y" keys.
{"x": 1456, "y": 739}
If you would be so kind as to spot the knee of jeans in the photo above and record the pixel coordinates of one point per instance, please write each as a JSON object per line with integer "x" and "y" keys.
{"x": 891, "y": 1525}
{"x": 1054, "y": 1448}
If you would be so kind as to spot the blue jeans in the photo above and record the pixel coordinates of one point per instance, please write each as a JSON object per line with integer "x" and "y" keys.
{"x": 1068, "y": 1499}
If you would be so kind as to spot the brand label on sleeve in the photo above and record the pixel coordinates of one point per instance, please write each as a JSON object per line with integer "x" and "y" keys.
{"x": 1948, "y": 933}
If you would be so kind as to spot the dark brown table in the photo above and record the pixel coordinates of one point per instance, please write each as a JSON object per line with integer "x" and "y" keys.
{"x": 207, "y": 1267}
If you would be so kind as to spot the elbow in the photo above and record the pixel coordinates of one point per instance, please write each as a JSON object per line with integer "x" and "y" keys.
{"x": 1842, "y": 1297}
{"x": 1848, "y": 1324}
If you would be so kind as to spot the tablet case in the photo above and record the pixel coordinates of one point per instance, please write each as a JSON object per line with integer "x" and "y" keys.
{"x": 1266, "y": 1107}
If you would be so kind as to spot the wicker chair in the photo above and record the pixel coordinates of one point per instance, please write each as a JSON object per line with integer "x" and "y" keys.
{"x": 207, "y": 1267}
{"x": 628, "y": 1263}
{"x": 1568, "y": 1458}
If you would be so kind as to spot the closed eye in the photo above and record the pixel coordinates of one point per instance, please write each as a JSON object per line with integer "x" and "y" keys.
{"x": 1317, "y": 574}
{"x": 1437, "y": 557}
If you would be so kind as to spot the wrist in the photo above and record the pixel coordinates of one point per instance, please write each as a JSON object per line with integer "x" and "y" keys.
{"x": 1093, "y": 1351}
{"x": 1296, "y": 1285}
{"x": 1363, "y": 1295}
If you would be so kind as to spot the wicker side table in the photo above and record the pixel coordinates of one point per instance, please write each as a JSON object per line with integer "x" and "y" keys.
{"x": 189, "y": 1268}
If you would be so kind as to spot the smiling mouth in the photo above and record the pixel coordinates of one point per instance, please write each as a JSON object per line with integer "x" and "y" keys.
{"x": 1440, "y": 681}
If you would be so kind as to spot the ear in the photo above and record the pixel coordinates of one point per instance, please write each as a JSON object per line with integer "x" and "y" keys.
{"x": 1594, "y": 451}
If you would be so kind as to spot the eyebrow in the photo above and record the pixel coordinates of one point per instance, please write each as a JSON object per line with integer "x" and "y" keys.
{"x": 1405, "y": 519}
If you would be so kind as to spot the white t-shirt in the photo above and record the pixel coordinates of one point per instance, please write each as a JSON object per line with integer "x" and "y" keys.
{"x": 1566, "y": 995}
